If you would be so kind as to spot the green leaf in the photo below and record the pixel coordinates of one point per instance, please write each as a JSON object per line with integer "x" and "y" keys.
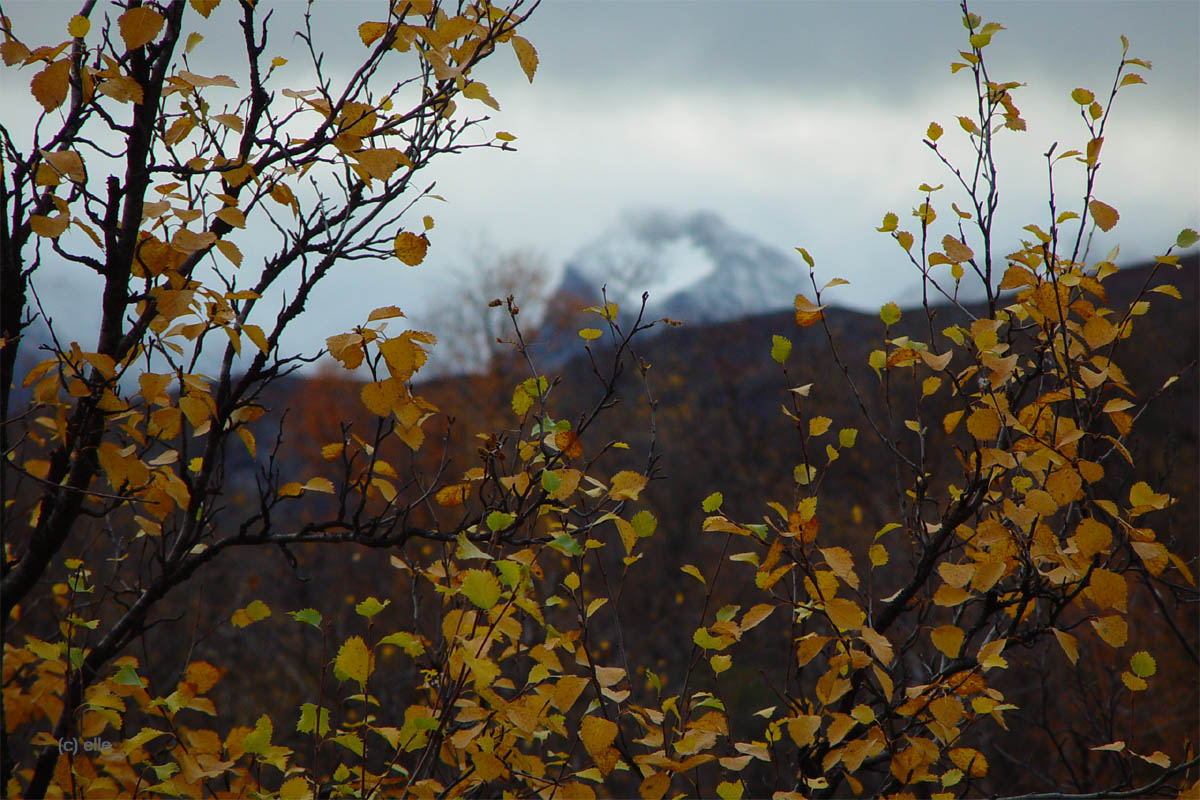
{"x": 481, "y": 588}
{"x": 309, "y": 616}
{"x": 1142, "y": 664}
{"x": 370, "y": 607}
{"x": 712, "y": 502}
{"x": 550, "y": 481}
{"x": 467, "y": 550}
{"x": 405, "y": 641}
{"x": 258, "y": 740}
{"x": 510, "y": 573}
{"x": 350, "y": 742}
{"x": 781, "y": 348}
{"x": 567, "y": 544}
{"x": 1187, "y": 237}
{"x": 44, "y": 650}
{"x": 309, "y": 713}
{"x": 498, "y": 520}
{"x": 847, "y": 437}
{"x": 704, "y": 639}
{"x": 644, "y": 523}
{"x": 890, "y": 314}
{"x": 127, "y": 676}
{"x": 804, "y": 476}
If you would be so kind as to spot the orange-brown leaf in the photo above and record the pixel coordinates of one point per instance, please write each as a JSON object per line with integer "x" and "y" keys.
{"x": 50, "y": 86}
{"x": 139, "y": 26}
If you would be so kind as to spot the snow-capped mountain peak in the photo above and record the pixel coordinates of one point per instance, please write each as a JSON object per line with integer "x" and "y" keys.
{"x": 695, "y": 266}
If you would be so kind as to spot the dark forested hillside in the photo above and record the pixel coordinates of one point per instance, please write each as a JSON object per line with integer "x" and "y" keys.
{"x": 718, "y": 426}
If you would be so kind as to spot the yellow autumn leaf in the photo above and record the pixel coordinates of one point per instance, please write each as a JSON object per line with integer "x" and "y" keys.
{"x": 844, "y": 614}
{"x": 950, "y": 596}
{"x": 66, "y": 163}
{"x": 948, "y": 639}
{"x": 1063, "y": 484}
{"x": 1108, "y": 589}
{"x": 49, "y": 227}
{"x": 989, "y": 655}
{"x": 230, "y": 251}
{"x": 1104, "y": 215}
{"x": 983, "y": 424}
{"x": 255, "y": 611}
{"x": 481, "y": 588}
{"x": 1133, "y": 682}
{"x": 597, "y": 734}
{"x": 294, "y": 789}
{"x": 1142, "y": 496}
{"x": 1158, "y": 758}
{"x": 50, "y": 86}
{"x": 78, "y": 26}
{"x": 654, "y": 786}
{"x": 204, "y": 7}
{"x": 353, "y": 661}
{"x": 1067, "y": 642}
{"x": 139, "y": 26}
{"x": 370, "y": 31}
{"x": 626, "y": 485}
{"x": 477, "y": 90}
{"x": 755, "y": 616}
{"x": 807, "y": 313}
{"x": 842, "y": 564}
{"x": 232, "y": 216}
{"x": 803, "y": 729}
{"x": 969, "y": 760}
{"x": 1092, "y": 537}
{"x": 955, "y": 250}
{"x": 453, "y": 495}
{"x": 377, "y": 398}
{"x": 1112, "y": 629}
{"x": 410, "y": 248}
{"x": 526, "y": 56}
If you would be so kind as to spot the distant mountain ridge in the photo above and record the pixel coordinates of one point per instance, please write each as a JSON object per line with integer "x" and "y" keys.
{"x": 695, "y": 266}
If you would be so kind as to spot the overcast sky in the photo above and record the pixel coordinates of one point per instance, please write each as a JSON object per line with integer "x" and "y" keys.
{"x": 798, "y": 122}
